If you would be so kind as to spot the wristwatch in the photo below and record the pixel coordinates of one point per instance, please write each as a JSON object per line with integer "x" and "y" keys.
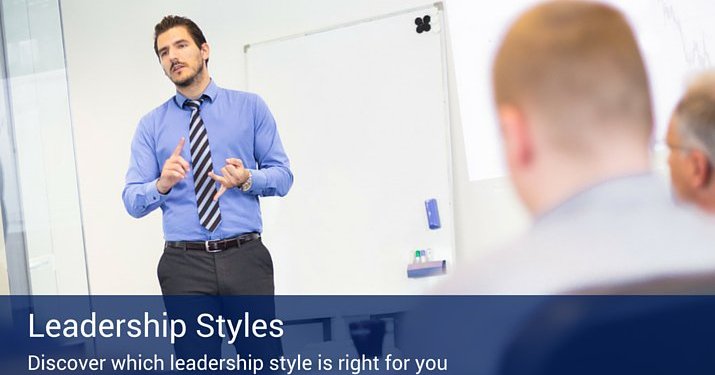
{"x": 247, "y": 184}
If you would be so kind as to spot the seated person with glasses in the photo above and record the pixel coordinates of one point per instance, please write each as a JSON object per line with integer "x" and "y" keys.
{"x": 691, "y": 139}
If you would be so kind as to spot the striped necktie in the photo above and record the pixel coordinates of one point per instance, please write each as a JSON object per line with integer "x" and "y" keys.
{"x": 201, "y": 165}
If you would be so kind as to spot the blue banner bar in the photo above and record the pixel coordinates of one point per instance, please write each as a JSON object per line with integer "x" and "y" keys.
{"x": 358, "y": 334}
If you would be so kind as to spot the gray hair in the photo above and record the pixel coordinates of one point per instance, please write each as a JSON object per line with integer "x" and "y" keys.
{"x": 695, "y": 113}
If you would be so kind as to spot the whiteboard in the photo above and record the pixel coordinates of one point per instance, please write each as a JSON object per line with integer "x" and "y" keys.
{"x": 362, "y": 112}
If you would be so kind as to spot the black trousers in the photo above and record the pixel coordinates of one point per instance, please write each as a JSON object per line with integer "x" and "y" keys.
{"x": 245, "y": 270}
{"x": 196, "y": 282}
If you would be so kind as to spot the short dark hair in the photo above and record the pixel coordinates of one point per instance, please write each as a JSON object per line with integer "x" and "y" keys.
{"x": 171, "y": 21}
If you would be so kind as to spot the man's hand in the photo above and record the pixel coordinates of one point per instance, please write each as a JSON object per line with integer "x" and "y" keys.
{"x": 174, "y": 170}
{"x": 234, "y": 174}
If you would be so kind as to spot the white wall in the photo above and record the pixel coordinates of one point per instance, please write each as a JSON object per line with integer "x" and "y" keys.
{"x": 675, "y": 38}
{"x": 114, "y": 79}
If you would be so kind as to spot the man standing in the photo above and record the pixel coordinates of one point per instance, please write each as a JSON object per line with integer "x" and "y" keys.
{"x": 691, "y": 139}
{"x": 573, "y": 100}
{"x": 202, "y": 136}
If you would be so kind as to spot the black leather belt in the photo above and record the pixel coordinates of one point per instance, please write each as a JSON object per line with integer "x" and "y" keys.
{"x": 215, "y": 246}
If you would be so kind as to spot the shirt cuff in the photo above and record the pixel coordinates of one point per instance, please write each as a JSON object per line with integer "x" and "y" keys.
{"x": 258, "y": 181}
{"x": 152, "y": 194}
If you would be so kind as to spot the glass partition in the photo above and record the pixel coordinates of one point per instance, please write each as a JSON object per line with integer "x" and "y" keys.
{"x": 41, "y": 210}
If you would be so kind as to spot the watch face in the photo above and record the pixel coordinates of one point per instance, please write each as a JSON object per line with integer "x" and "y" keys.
{"x": 247, "y": 185}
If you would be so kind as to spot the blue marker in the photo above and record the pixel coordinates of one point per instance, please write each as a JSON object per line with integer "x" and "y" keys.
{"x": 432, "y": 214}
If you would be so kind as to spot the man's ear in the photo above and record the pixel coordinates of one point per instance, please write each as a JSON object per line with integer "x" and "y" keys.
{"x": 701, "y": 169}
{"x": 518, "y": 141}
{"x": 205, "y": 51}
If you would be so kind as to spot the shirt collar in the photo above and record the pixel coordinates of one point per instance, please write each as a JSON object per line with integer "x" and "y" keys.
{"x": 210, "y": 93}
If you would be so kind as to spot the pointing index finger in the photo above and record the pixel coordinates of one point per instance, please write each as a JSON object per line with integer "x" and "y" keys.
{"x": 179, "y": 147}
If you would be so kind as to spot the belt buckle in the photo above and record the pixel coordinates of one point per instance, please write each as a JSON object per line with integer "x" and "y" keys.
{"x": 209, "y": 250}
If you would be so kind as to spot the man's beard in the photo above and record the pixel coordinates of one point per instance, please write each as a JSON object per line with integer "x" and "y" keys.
{"x": 188, "y": 81}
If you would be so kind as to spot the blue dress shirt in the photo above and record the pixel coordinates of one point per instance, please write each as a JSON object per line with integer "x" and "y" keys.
{"x": 239, "y": 125}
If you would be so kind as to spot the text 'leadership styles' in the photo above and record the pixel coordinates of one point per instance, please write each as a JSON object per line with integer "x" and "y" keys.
{"x": 209, "y": 325}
